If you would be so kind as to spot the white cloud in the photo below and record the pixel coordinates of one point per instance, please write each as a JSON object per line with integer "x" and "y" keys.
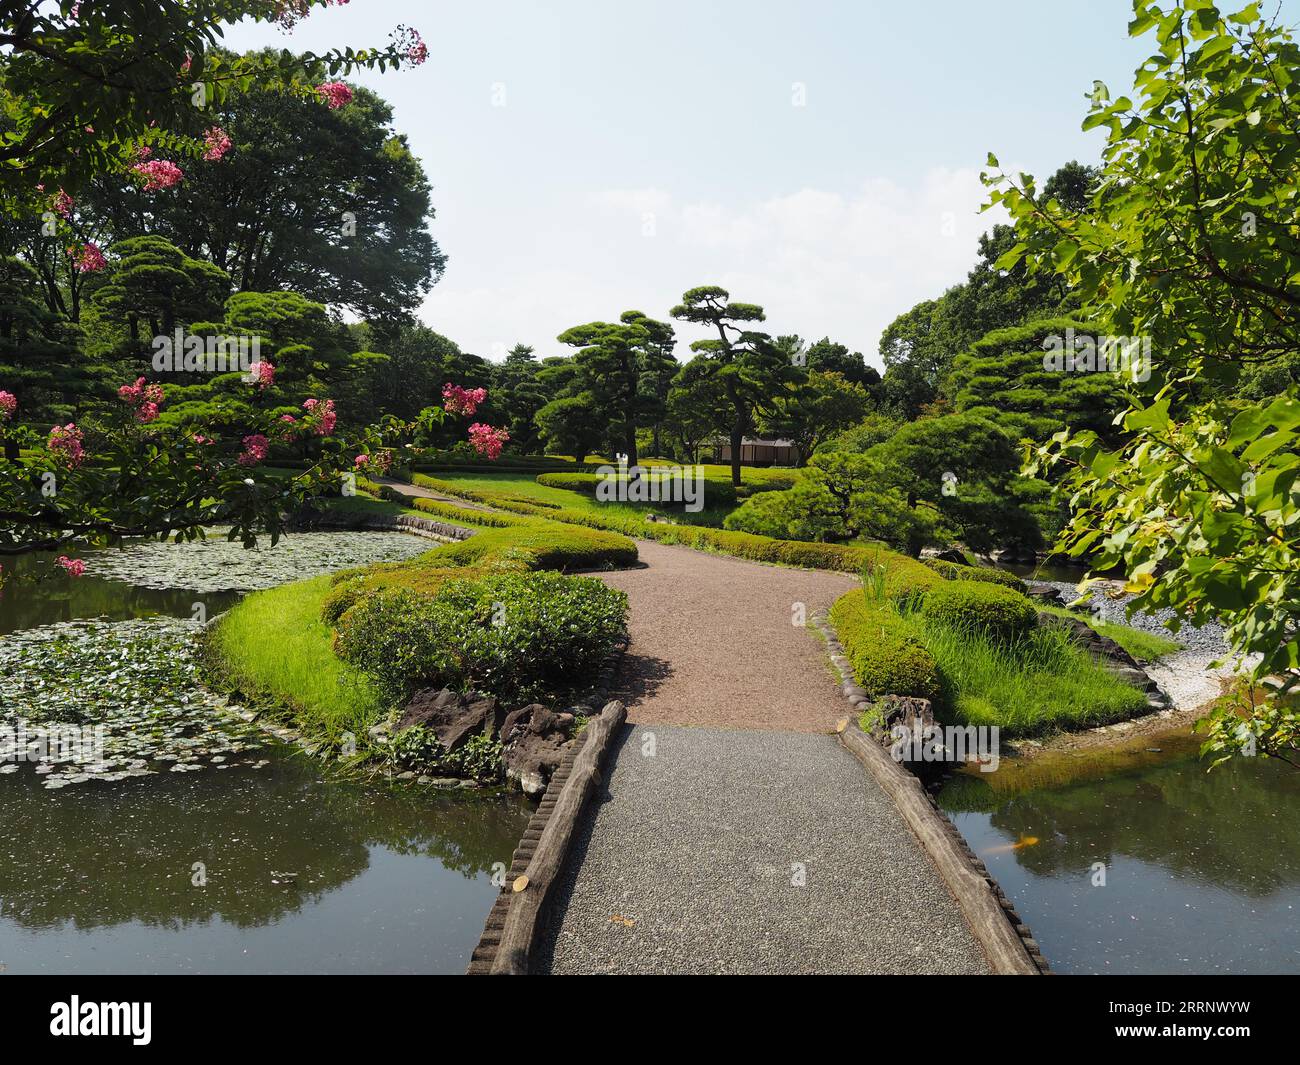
{"x": 820, "y": 262}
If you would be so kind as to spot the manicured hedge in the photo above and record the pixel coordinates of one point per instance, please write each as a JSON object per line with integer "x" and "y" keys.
{"x": 999, "y": 612}
{"x": 955, "y": 571}
{"x": 886, "y": 656}
{"x": 518, "y": 636}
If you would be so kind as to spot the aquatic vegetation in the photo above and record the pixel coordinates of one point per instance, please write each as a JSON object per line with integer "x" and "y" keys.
{"x": 216, "y": 564}
{"x": 138, "y": 679}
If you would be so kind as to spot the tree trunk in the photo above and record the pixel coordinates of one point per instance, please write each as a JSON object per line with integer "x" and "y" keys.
{"x": 737, "y": 438}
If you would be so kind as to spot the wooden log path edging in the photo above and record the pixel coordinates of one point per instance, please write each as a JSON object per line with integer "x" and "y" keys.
{"x": 1004, "y": 937}
{"x": 510, "y": 931}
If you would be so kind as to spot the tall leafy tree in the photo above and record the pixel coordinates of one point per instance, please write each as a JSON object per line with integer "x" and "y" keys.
{"x": 746, "y": 364}
{"x": 83, "y": 86}
{"x": 352, "y": 233}
{"x": 40, "y": 361}
{"x": 1190, "y": 240}
{"x": 816, "y": 408}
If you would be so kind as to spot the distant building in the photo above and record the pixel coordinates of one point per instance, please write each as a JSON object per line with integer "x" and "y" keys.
{"x": 756, "y": 451}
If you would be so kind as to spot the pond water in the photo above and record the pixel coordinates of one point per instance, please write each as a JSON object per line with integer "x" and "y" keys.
{"x": 192, "y": 842}
{"x": 1201, "y": 871}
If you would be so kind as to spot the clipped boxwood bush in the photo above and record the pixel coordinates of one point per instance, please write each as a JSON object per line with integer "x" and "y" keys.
{"x": 518, "y": 636}
{"x": 993, "y": 609}
{"x": 886, "y": 656}
{"x": 954, "y": 571}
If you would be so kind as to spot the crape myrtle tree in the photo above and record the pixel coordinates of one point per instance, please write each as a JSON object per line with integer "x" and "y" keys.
{"x": 748, "y": 367}
{"x": 351, "y": 233}
{"x": 116, "y": 87}
{"x": 1191, "y": 240}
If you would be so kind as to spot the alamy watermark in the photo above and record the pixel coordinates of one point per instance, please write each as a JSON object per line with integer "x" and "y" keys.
{"x": 651, "y": 484}
{"x": 1088, "y": 353}
{"x": 922, "y": 741}
{"x": 51, "y": 743}
{"x": 181, "y": 353}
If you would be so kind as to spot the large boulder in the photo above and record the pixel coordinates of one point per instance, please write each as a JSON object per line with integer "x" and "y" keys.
{"x": 452, "y": 717}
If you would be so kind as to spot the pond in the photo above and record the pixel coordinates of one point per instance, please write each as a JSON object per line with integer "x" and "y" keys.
{"x": 1201, "y": 871}
{"x": 191, "y": 841}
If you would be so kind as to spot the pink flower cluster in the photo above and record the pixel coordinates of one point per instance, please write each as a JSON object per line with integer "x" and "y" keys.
{"x": 74, "y": 567}
{"x": 411, "y": 44}
{"x": 334, "y": 93}
{"x": 90, "y": 259}
{"x": 145, "y": 398}
{"x": 327, "y": 416}
{"x": 459, "y": 400}
{"x": 255, "y": 450}
{"x": 264, "y": 375}
{"x": 159, "y": 174}
{"x": 66, "y": 442}
{"x": 8, "y": 404}
{"x": 216, "y": 143}
{"x": 486, "y": 440}
{"x": 380, "y": 461}
{"x": 62, "y": 204}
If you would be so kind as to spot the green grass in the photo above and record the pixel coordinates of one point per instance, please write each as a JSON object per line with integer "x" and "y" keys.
{"x": 1145, "y": 647}
{"x": 273, "y": 647}
{"x": 1042, "y": 683}
{"x": 523, "y": 487}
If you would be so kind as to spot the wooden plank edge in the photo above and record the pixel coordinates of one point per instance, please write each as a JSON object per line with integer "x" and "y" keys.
{"x": 513, "y": 955}
{"x": 984, "y": 913}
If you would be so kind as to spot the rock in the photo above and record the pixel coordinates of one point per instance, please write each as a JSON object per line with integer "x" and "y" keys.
{"x": 535, "y": 740}
{"x": 952, "y": 555}
{"x": 453, "y": 718}
{"x": 517, "y": 719}
{"x": 1045, "y": 593}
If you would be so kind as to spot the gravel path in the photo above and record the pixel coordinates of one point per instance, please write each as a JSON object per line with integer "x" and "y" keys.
{"x": 713, "y": 642}
{"x": 688, "y": 866}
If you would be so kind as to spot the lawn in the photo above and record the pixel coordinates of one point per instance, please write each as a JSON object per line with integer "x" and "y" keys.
{"x": 523, "y": 487}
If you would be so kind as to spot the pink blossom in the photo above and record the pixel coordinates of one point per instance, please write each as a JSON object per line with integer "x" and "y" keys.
{"x": 199, "y": 438}
{"x": 486, "y": 440}
{"x": 464, "y": 401}
{"x": 145, "y": 398}
{"x": 159, "y": 174}
{"x": 411, "y": 44}
{"x": 90, "y": 259}
{"x": 255, "y": 450}
{"x": 185, "y": 67}
{"x": 62, "y": 204}
{"x": 217, "y": 143}
{"x": 143, "y": 151}
{"x": 74, "y": 567}
{"x": 327, "y": 418}
{"x": 8, "y": 404}
{"x": 335, "y": 94}
{"x": 264, "y": 374}
{"x": 66, "y": 442}
{"x": 361, "y": 460}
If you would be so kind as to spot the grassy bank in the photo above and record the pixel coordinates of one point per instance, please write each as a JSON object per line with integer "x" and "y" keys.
{"x": 277, "y": 647}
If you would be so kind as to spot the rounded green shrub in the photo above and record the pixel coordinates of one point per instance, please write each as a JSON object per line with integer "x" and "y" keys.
{"x": 886, "y": 655}
{"x": 997, "y": 611}
{"x": 518, "y": 636}
{"x": 955, "y": 571}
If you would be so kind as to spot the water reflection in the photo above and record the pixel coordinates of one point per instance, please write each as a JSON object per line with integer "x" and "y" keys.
{"x": 1202, "y": 871}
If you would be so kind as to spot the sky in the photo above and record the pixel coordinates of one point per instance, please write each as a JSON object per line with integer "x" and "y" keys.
{"x": 820, "y": 158}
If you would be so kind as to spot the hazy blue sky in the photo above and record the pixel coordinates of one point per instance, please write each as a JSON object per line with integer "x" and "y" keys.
{"x": 644, "y": 148}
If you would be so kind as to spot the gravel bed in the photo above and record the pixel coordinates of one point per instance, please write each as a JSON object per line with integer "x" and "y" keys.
{"x": 1208, "y": 639}
{"x": 749, "y": 852}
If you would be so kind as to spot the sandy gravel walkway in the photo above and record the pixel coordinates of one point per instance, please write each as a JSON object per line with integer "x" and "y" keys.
{"x": 713, "y": 642}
